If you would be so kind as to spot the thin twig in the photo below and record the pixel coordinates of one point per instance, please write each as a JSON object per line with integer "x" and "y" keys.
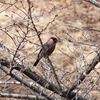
{"x": 88, "y": 69}
{"x": 38, "y": 34}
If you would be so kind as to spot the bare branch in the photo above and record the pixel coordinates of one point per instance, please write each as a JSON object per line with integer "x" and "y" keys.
{"x": 94, "y": 2}
{"x": 38, "y": 34}
{"x": 32, "y": 75}
{"x": 22, "y": 81}
{"x": 88, "y": 69}
{"x": 22, "y": 96}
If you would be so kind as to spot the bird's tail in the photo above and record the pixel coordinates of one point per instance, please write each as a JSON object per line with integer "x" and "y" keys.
{"x": 36, "y": 62}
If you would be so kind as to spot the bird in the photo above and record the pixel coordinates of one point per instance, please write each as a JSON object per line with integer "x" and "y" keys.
{"x": 47, "y": 49}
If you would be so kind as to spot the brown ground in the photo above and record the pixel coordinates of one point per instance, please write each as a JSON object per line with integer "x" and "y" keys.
{"x": 77, "y": 45}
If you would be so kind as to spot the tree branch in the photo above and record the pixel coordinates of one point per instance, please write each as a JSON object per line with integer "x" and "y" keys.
{"x": 38, "y": 34}
{"x": 94, "y": 2}
{"x": 22, "y": 96}
{"x": 88, "y": 69}
{"x": 32, "y": 75}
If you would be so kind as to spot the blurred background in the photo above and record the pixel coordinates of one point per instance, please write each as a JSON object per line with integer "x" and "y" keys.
{"x": 76, "y": 23}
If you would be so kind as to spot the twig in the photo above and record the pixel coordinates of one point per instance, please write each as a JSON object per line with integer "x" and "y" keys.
{"x": 97, "y": 81}
{"x": 22, "y": 96}
{"x": 38, "y": 34}
{"x": 89, "y": 68}
{"x": 94, "y": 2}
{"x": 44, "y": 83}
{"x": 8, "y": 6}
{"x": 49, "y": 24}
{"x": 24, "y": 82}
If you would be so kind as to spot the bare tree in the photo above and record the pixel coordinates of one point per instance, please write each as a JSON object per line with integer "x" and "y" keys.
{"x": 72, "y": 72}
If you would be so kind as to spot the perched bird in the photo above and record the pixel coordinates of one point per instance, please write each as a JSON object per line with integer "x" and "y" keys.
{"x": 49, "y": 47}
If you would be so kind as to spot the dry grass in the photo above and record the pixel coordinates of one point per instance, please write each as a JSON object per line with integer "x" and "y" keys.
{"x": 77, "y": 46}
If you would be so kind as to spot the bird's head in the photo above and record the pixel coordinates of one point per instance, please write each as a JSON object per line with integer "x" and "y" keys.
{"x": 53, "y": 40}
